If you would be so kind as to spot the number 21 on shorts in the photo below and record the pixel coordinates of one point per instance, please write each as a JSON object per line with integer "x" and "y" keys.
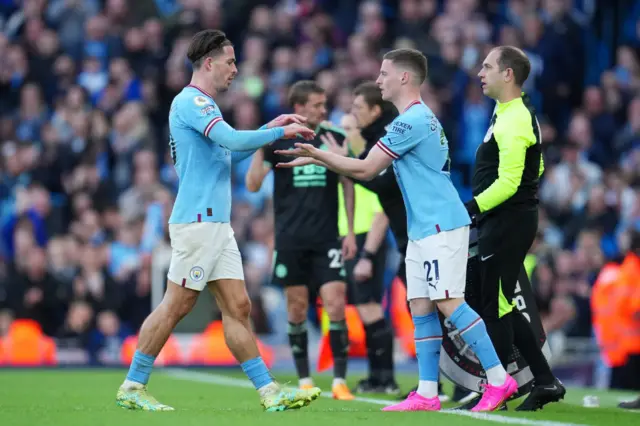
{"x": 432, "y": 272}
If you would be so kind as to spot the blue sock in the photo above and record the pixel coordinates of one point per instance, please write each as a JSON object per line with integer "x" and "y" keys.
{"x": 474, "y": 332}
{"x": 428, "y": 338}
{"x": 140, "y": 368}
{"x": 257, "y": 372}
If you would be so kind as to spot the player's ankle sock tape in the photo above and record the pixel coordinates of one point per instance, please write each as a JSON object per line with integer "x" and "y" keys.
{"x": 299, "y": 343}
{"x": 257, "y": 372}
{"x": 428, "y": 338}
{"x": 299, "y": 328}
{"x": 140, "y": 368}
{"x": 339, "y": 342}
{"x": 474, "y": 332}
{"x": 527, "y": 343}
{"x": 379, "y": 338}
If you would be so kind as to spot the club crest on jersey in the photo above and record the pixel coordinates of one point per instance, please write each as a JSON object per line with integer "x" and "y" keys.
{"x": 200, "y": 101}
{"x": 487, "y": 136}
{"x": 196, "y": 273}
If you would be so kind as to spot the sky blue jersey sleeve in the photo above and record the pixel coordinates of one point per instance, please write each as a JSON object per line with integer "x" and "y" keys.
{"x": 399, "y": 139}
{"x": 238, "y": 156}
{"x": 204, "y": 115}
{"x": 243, "y": 140}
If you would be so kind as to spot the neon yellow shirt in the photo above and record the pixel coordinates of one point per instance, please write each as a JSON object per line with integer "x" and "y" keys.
{"x": 367, "y": 205}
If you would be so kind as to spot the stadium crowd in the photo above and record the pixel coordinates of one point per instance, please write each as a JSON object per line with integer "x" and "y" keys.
{"x": 87, "y": 184}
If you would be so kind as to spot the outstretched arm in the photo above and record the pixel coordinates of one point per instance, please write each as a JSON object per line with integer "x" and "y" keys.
{"x": 365, "y": 169}
{"x": 242, "y": 140}
{"x": 280, "y": 121}
{"x": 203, "y": 115}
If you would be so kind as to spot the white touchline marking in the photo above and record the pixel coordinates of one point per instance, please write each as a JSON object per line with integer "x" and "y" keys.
{"x": 217, "y": 379}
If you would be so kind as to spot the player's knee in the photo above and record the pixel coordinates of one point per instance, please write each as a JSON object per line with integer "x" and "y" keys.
{"x": 296, "y": 310}
{"x": 421, "y": 306}
{"x": 335, "y": 310}
{"x": 179, "y": 309}
{"x": 241, "y": 308}
{"x": 449, "y": 306}
{"x": 178, "y": 303}
{"x": 370, "y": 312}
{"x": 333, "y": 300}
{"x": 297, "y": 304}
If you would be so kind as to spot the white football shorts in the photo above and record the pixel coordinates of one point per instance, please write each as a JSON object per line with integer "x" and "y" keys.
{"x": 437, "y": 265}
{"x": 202, "y": 252}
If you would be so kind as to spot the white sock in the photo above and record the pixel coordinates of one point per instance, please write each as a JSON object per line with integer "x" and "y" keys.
{"x": 427, "y": 389}
{"x": 269, "y": 389}
{"x": 305, "y": 381}
{"x": 128, "y": 384}
{"x": 497, "y": 375}
{"x": 338, "y": 381}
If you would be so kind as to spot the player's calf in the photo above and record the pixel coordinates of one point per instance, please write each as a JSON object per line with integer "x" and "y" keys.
{"x": 379, "y": 341}
{"x": 155, "y": 331}
{"x": 473, "y": 331}
{"x": 428, "y": 339}
{"x": 436, "y": 272}
{"x": 233, "y": 300}
{"x": 235, "y": 307}
{"x": 297, "y": 306}
{"x": 299, "y": 343}
{"x": 333, "y": 296}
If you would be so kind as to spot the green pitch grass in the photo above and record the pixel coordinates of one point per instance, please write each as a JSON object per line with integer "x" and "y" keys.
{"x": 224, "y": 397}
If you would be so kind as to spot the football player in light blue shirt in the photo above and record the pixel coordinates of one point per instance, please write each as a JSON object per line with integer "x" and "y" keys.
{"x": 204, "y": 251}
{"x": 438, "y": 228}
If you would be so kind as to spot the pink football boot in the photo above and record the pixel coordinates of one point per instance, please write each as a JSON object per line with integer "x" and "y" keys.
{"x": 415, "y": 402}
{"x": 494, "y": 396}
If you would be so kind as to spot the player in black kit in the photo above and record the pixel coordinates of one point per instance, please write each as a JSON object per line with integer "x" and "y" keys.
{"x": 309, "y": 255}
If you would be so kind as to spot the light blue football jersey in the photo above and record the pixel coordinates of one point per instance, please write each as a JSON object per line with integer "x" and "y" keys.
{"x": 420, "y": 151}
{"x": 201, "y": 144}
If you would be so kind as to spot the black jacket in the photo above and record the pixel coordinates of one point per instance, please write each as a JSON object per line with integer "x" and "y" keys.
{"x": 385, "y": 184}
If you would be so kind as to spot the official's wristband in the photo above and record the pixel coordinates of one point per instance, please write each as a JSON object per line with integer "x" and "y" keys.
{"x": 472, "y": 207}
{"x": 367, "y": 255}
